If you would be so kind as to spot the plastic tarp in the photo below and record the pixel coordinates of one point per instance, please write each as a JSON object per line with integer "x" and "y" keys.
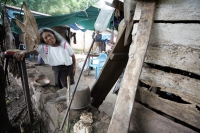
{"x": 85, "y": 18}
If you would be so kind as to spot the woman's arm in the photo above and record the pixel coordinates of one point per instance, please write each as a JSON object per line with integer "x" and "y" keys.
{"x": 20, "y": 55}
{"x": 74, "y": 63}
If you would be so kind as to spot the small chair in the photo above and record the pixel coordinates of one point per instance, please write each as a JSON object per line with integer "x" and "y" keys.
{"x": 101, "y": 59}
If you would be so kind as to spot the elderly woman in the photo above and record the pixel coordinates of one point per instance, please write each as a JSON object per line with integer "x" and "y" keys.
{"x": 56, "y": 52}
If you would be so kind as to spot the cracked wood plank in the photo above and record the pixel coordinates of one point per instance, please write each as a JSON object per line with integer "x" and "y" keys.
{"x": 185, "y": 87}
{"x": 143, "y": 120}
{"x": 187, "y": 113}
{"x": 177, "y": 48}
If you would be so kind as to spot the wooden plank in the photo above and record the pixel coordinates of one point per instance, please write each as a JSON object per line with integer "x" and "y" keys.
{"x": 110, "y": 72}
{"x": 146, "y": 121}
{"x": 187, "y": 113}
{"x": 177, "y": 48}
{"x": 176, "y": 34}
{"x": 172, "y": 10}
{"x": 179, "y": 57}
{"x": 173, "y": 34}
{"x": 118, "y": 56}
{"x": 185, "y": 87}
{"x": 124, "y": 104}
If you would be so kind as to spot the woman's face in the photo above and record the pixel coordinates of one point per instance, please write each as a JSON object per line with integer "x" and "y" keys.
{"x": 49, "y": 38}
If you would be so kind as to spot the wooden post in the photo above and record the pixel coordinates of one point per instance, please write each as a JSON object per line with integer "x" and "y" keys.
{"x": 111, "y": 71}
{"x": 125, "y": 100}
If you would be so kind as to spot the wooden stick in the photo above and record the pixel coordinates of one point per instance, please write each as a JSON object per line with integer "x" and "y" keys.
{"x": 68, "y": 101}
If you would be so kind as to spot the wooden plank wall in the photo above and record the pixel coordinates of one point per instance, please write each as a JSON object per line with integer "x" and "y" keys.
{"x": 173, "y": 66}
{"x": 145, "y": 120}
{"x": 122, "y": 112}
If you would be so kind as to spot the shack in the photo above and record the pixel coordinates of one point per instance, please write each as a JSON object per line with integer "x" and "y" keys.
{"x": 160, "y": 87}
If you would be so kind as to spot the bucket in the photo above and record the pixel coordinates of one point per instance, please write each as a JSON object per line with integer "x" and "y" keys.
{"x": 81, "y": 97}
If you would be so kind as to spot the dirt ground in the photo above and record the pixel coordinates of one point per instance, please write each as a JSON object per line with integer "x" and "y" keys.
{"x": 16, "y": 106}
{"x": 17, "y": 110}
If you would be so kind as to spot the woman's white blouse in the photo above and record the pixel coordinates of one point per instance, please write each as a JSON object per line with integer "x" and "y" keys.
{"x": 54, "y": 56}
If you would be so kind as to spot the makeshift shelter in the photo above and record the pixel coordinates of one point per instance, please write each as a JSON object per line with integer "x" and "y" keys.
{"x": 160, "y": 87}
{"x": 85, "y": 18}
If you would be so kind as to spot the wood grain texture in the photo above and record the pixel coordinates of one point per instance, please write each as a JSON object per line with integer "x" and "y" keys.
{"x": 185, "y": 87}
{"x": 124, "y": 104}
{"x": 178, "y": 57}
{"x": 145, "y": 120}
{"x": 187, "y": 113}
{"x": 173, "y": 10}
{"x": 174, "y": 45}
{"x": 173, "y": 34}
{"x": 176, "y": 34}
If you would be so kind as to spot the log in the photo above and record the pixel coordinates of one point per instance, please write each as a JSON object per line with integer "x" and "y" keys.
{"x": 124, "y": 104}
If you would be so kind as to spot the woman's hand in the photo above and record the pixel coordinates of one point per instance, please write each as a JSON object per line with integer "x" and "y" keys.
{"x": 19, "y": 55}
{"x": 74, "y": 70}
{"x": 74, "y": 63}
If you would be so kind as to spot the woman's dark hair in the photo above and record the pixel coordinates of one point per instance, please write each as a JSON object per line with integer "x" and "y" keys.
{"x": 57, "y": 36}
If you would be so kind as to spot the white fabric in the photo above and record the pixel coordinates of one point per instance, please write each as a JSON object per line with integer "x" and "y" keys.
{"x": 54, "y": 56}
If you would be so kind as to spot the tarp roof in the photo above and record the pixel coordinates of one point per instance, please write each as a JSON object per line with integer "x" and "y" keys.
{"x": 85, "y": 18}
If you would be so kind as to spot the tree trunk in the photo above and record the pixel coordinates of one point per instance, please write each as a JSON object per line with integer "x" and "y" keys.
{"x": 10, "y": 44}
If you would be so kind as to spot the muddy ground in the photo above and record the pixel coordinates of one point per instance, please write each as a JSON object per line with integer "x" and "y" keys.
{"x": 17, "y": 110}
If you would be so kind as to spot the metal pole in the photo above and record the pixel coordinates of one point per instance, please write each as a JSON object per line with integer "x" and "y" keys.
{"x": 77, "y": 84}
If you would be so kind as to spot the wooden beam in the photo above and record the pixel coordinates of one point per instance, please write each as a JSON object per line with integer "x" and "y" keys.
{"x": 110, "y": 72}
{"x": 118, "y": 56}
{"x": 124, "y": 104}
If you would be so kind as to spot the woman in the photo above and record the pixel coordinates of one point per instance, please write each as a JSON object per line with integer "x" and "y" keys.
{"x": 56, "y": 52}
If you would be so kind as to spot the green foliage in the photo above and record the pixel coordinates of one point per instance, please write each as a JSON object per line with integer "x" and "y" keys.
{"x": 53, "y": 7}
